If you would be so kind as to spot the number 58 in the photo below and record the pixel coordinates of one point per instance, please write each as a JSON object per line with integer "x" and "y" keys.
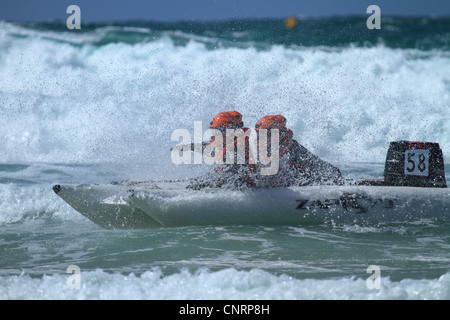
{"x": 416, "y": 162}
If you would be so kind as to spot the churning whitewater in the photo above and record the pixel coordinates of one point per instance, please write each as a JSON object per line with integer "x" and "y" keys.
{"x": 100, "y": 105}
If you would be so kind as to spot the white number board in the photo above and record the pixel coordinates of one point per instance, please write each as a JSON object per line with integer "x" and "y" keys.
{"x": 416, "y": 162}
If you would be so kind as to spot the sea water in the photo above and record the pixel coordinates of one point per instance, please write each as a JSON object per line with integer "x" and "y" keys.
{"x": 99, "y": 104}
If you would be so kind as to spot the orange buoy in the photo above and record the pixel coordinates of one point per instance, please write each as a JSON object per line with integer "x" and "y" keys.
{"x": 290, "y": 22}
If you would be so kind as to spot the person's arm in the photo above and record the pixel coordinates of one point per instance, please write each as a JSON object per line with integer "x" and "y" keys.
{"x": 192, "y": 146}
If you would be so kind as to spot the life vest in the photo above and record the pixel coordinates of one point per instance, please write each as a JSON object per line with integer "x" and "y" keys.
{"x": 229, "y": 120}
{"x": 221, "y": 151}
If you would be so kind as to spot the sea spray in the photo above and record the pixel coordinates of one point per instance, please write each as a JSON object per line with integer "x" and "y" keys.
{"x": 120, "y": 102}
{"x": 100, "y": 105}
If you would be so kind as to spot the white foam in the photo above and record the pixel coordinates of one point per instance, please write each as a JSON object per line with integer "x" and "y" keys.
{"x": 121, "y": 102}
{"x": 220, "y": 285}
{"x": 21, "y": 203}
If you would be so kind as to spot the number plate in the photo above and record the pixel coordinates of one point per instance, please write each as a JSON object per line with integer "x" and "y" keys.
{"x": 416, "y": 162}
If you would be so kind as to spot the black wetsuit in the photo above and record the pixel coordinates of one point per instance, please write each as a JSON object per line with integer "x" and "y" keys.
{"x": 314, "y": 171}
{"x": 317, "y": 170}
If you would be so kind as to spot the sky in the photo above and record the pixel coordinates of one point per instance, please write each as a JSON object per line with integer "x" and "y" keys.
{"x": 209, "y": 10}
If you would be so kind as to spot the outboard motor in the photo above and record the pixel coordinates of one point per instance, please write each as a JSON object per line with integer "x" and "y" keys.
{"x": 414, "y": 164}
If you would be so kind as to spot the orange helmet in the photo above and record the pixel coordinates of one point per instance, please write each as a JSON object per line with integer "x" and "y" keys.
{"x": 272, "y": 122}
{"x": 229, "y": 119}
{"x": 275, "y": 122}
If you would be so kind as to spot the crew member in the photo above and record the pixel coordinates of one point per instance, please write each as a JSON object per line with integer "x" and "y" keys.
{"x": 297, "y": 166}
{"x": 240, "y": 172}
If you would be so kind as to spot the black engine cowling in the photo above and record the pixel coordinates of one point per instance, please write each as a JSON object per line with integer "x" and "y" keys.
{"x": 413, "y": 163}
